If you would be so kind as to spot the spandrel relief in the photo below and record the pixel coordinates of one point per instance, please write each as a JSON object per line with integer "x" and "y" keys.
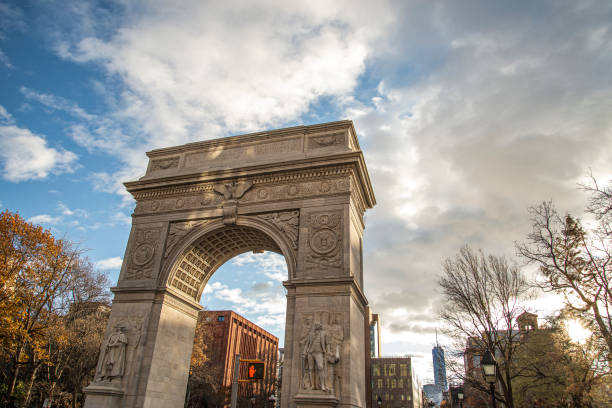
{"x": 287, "y": 222}
{"x": 177, "y": 231}
{"x": 321, "y": 343}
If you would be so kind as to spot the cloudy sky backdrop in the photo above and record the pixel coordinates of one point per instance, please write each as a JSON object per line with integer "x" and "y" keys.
{"x": 468, "y": 113}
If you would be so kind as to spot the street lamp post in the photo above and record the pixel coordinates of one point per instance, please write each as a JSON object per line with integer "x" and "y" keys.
{"x": 460, "y": 397}
{"x": 379, "y": 401}
{"x": 253, "y": 399}
{"x": 489, "y": 371}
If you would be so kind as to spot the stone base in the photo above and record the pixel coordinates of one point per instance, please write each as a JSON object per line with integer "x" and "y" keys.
{"x": 307, "y": 399}
{"x": 102, "y": 396}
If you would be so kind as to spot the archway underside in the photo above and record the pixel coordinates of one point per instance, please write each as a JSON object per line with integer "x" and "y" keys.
{"x": 207, "y": 254}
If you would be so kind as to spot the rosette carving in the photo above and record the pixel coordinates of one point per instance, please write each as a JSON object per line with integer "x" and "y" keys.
{"x": 141, "y": 259}
{"x": 325, "y": 241}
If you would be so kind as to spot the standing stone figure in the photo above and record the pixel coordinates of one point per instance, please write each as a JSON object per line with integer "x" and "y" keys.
{"x": 336, "y": 334}
{"x": 113, "y": 361}
{"x": 314, "y": 353}
{"x": 307, "y": 328}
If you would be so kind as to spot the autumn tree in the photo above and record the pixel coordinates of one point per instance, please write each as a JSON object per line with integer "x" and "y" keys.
{"x": 204, "y": 388}
{"x": 552, "y": 370}
{"x": 40, "y": 277}
{"x": 74, "y": 346}
{"x": 576, "y": 261}
{"x": 482, "y": 300}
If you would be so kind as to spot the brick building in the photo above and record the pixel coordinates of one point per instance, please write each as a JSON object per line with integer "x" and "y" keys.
{"x": 394, "y": 381}
{"x": 232, "y": 334}
{"x": 372, "y": 348}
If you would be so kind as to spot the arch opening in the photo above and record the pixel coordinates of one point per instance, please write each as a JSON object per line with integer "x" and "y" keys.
{"x": 193, "y": 269}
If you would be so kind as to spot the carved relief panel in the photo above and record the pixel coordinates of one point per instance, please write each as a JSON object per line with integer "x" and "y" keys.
{"x": 321, "y": 343}
{"x": 286, "y": 222}
{"x": 260, "y": 189}
{"x": 177, "y": 231}
{"x": 119, "y": 350}
{"x": 145, "y": 246}
{"x": 324, "y": 249}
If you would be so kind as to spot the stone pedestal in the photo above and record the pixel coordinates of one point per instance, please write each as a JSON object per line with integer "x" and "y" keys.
{"x": 307, "y": 399}
{"x": 101, "y": 396}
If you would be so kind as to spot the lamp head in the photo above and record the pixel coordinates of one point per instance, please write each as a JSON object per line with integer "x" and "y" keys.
{"x": 489, "y": 367}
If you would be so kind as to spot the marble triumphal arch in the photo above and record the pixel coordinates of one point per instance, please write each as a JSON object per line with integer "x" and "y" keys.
{"x": 301, "y": 192}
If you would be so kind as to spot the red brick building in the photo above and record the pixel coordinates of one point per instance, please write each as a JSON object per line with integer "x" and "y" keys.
{"x": 232, "y": 334}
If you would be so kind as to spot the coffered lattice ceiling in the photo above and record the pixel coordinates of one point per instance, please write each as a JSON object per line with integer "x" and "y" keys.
{"x": 211, "y": 251}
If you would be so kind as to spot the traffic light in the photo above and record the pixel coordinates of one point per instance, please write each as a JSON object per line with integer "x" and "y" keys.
{"x": 255, "y": 371}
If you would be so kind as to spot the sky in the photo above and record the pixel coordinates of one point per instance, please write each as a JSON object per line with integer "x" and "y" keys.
{"x": 468, "y": 113}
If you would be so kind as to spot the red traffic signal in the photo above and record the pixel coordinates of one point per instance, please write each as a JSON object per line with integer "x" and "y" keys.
{"x": 255, "y": 371}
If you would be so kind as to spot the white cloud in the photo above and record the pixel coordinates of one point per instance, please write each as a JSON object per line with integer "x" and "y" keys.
{"x": 122, "y": 218}
{"x": 26, "y": 156}
{"x": 488, "y": 111}
{"x": 262, "y": 303}
{"x": 5, "y": 117}
{"x": 56, "y": 103}
{"x": 270, "y": 264}
{"x": 208, "y": 69}
{"x": 113, "y": 263}
{"x": 45, "y": 219}
{"x": 77, "y": 212}
{"x": 4, "y": 60}
{"x": 11, "y": 17}
{"x": 64, "y": 209}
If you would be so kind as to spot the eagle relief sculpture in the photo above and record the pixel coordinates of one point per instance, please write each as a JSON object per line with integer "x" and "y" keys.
{"x": 232, "y": 192}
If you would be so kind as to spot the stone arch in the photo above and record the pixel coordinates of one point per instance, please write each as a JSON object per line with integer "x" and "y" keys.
{"x": 198, "y": 255}
{"x": 301, "y": 192}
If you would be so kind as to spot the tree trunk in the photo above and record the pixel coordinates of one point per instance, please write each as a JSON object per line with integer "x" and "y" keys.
{"x": 15, "y": 373}
{"x": 31, "y": 383}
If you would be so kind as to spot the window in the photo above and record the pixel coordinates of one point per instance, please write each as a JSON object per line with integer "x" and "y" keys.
{"x": 380, "y": 383}
{"x": 391, "y": 371}
{"x": 376, "y": 370}
{"x": 220, "y": 318}
{"x": 400, "y": 383}
{"x": 476, "y": 360}
{"x": 404, "y": 370}
{"x": 394, "y": 383}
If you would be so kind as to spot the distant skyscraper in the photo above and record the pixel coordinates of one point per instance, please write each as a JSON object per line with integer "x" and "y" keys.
{"x": 439, "y": 366}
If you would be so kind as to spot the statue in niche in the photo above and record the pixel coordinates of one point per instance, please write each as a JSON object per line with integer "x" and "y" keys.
{"x": 314, "y": 356}
{"x": 113, "y": 361}
{"x": 336, "y": 335}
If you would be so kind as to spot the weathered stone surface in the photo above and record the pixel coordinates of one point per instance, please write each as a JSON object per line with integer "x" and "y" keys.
{"x": 301, "y": 192}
